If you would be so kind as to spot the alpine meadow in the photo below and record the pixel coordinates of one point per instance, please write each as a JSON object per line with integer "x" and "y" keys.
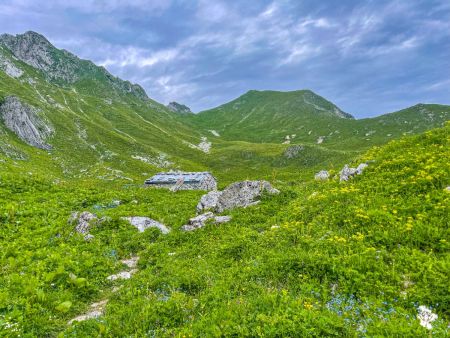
{"x": 276, "y": 214}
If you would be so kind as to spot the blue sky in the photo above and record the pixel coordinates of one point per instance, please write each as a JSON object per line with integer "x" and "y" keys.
{"x": 368, "y": 57}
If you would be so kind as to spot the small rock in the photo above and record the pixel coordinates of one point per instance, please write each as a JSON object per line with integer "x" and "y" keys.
{"x": 322, "y": 175}
{"x": 122, "y": 275}
{"x": 131, "y": 262}
{"x": 222, "y": 219}
{"x": 143, "y": 223}
{"x": 83, "y": 221}
{"x": 198, "y": 221}
{"x": 347, "y": 172}
{"x": 360, "y": 168}
{"x": 96, "y": 310}
{"x": 88, "y": 237}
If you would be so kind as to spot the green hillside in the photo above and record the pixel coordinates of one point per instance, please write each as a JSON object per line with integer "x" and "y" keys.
{"x": 304, "y": 117}
{"x": 360, "y": 258}
{"x": 320, "y": 259}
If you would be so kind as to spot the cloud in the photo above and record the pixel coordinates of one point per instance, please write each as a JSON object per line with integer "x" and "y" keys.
{"x": 204, "y": 53}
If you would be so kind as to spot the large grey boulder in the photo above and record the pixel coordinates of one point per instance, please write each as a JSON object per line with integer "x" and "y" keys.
{"x": 209, "y": 201}
{"x": 143, "y": 223}
{"x": 25, "y": 121}
{"x": 240, "y": 194}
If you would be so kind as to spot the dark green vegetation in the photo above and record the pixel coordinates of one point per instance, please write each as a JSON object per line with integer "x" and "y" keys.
{"x": 320, "y": 259}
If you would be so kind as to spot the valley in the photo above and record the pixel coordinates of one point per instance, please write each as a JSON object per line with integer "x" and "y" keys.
{"x": 367, "y": 256}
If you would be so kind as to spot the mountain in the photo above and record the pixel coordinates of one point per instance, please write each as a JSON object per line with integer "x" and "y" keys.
{"x": 78, "y": 119}
{"x": 363, "y": 257}
{"x": 64, "y": 68}
{"x": 179, "y": 108}
{"x": 305, "y": 117}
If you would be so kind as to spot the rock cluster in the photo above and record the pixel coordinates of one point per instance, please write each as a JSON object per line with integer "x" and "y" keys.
{"x": 348, "y": 172}
{"x": 25, "y": 122}
{"x": 240, "y": 194}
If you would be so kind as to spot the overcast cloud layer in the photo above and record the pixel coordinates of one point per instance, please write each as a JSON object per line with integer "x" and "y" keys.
{"x": 368, "y": 57}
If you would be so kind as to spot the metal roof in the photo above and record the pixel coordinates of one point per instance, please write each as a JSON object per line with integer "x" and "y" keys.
{"x": 172, "y": 178}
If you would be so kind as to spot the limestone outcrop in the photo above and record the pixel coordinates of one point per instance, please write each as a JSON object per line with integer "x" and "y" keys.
{"x": 26, "y": 122}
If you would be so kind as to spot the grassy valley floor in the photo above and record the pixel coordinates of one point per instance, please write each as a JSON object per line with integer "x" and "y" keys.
{"x": 354, "y": 258}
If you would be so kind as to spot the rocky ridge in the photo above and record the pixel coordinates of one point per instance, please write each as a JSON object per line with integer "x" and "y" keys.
{"x": 61, "y": 66}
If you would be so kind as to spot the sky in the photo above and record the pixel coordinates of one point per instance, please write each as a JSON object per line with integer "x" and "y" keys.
{"x": 367, "y": 57}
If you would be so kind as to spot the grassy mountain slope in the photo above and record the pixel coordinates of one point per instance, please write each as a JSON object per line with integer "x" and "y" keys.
{"x": 304, "y": 117}
{"x": 104, "y": 131}
{"x": 320, "y": 259}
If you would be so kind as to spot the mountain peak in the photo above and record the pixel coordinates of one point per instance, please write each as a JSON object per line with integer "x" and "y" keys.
{"x": 179, "y": 108}
{"x": 63, "y": 68}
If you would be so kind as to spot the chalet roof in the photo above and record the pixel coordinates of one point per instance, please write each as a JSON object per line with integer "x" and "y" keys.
{"x": 173, "y": 177}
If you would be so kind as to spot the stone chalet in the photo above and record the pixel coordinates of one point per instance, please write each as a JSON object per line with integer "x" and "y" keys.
{"x": 183, "y": 181}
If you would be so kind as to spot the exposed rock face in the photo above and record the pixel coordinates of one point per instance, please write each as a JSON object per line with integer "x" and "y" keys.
{"x": 143, "y": 223}
{"x": 240, "y": 194}
{"x": 179, "y": 108}
{"x": 9, "y": 67}
{"x": 347, "y": 172}
{"x": 201, "y": 220}
{"x": 293, "y": 151}
{"x": 25, "y": 122}
{"x": 322, "y": 175}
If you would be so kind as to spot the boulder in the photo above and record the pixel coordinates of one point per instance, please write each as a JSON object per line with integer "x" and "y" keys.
{"x": 322, "y": 175}
{"x": 240, "y": 194}
{"x": 122, "y": 275}
{"x": 143, "y": 223}
{"x": 198, "y": 221}
{"x": 208, "y": 201}
{"x": 347, "y": 172}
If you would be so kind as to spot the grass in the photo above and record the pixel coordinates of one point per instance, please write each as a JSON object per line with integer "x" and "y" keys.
{"x": 320, "y": 259}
